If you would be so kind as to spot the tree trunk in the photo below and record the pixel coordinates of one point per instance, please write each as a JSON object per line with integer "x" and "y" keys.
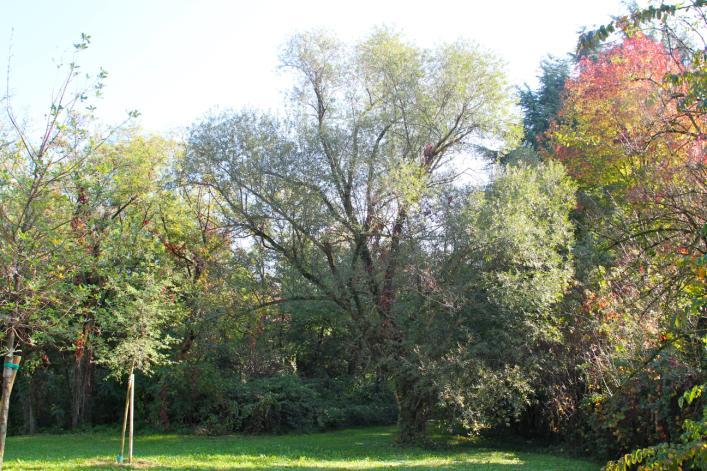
{"x": 164, "y": 406}
{"x": 8, "y": 376}
{"x": 415, "y": 400}
{"x": 82, "y": 388}
{"x": 30, "y": 419}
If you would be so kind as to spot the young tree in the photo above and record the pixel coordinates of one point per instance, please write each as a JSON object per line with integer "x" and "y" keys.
{"x": 116, "y": 191}
{"x": 38, "y": 255}
{"x": 35, "y": 251}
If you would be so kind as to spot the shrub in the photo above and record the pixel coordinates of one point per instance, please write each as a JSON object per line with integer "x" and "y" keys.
{"x": 643, "y": 412}
{"x": 207, "y": 401}
{"x": 689, "y": 453}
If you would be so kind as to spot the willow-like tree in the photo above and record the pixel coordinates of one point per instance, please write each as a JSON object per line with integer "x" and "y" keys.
{"x": 329, "y": 188}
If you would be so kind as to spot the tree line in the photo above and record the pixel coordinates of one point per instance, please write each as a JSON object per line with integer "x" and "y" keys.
{"x": 331, "y": 266}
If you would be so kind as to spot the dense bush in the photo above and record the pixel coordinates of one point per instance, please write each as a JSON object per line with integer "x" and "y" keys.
{"x": 689, "y": 452}
{"x": 644, "y": 411}
{"x": 210, "y": 402}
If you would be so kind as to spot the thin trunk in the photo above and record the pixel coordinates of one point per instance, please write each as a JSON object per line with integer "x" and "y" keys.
{"x": 9, "y": 372}
{"x": 164, "y": 406}
{"x": 82, "y": 380}
{"x": 30, "y": 419}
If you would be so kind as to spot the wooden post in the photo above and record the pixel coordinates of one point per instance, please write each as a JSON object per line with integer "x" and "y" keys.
{"x": 132, "y": 415}
{"x": 9, "y": 372}
{"x": 125, "y": 420}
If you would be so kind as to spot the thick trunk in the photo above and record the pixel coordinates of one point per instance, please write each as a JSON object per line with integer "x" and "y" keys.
{"x": 415, "y": 400}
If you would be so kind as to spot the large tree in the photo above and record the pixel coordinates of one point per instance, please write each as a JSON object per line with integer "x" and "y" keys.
{"x": 331, "y": 187}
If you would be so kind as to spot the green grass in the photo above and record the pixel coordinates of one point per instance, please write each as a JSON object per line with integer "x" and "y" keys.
{"x": 366, "y": 448}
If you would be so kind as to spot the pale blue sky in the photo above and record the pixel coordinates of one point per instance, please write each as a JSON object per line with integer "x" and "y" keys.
{"x": 174, "y": 60}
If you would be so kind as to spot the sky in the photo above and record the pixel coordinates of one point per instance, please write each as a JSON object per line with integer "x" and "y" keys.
{"x": 176, "y": 60}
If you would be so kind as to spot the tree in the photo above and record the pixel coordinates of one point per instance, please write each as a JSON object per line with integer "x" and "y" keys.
{"x": 33, "y": 218}
{"x": 115, "y": 193}
{"x": 331, "y": 188}
{"x": 38, "y": 252}
{"x": 631, "y": 132}
{"x": 508, "y": 273}
{"x": 619, "y": 111}
{"x": 541, "y": 106}
{"x": 218, "y": 285}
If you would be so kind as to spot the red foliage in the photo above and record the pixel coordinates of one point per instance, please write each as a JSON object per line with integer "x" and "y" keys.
{"x": 79, "y": 345}
{"x": 620, "y": 114}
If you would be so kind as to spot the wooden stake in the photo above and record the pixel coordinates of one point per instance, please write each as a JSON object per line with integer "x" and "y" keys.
{"x": 132, "y": 415}
{"x": 125, "y": 420}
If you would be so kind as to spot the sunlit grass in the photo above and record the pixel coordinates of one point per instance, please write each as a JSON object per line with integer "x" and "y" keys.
{"x": 364, "y": 449}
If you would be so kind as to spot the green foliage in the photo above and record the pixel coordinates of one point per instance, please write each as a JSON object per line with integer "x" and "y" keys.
{"x": 519, "y": 267}
{"x": 643, "y": 411}
{"x": 633, "y": 21}
{"x": 540, "y": 107}
{"x": 324, "y": 269}
{"x": 329, "y": 192}
{"x": 519, "y": 156}
{"x": 136, "y": 319}
{"x": 524, "y": 228}
{"x": 217, "y": 404}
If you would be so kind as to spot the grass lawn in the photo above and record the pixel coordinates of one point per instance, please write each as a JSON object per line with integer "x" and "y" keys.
{"x": 365, "y": 448}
